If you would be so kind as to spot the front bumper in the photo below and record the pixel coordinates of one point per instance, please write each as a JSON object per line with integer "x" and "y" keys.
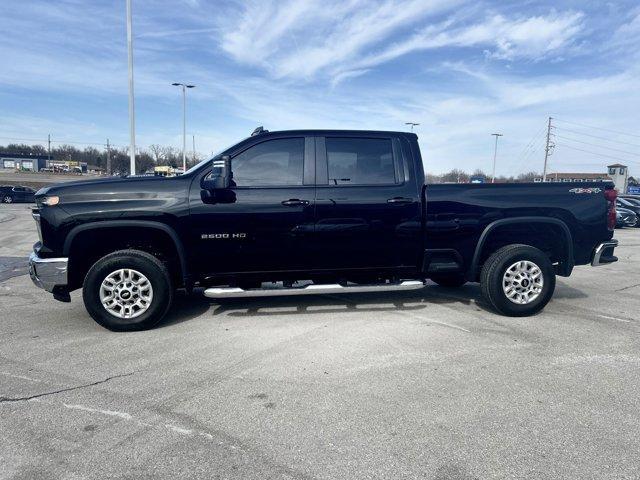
{"x": 603, "y": 253}
{"x": 48, "y": 273}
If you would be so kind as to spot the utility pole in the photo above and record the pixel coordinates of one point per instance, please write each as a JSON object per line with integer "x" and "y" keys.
{"x": 49, "y": 150}
{"x": 412, "y": 124}
{"x": 194, "y": 148}
{"x": 108, "y": 158}
{"x": 547, "y": 151}
{"x": 495, "y": 154}
{"x": 132, "y": 114}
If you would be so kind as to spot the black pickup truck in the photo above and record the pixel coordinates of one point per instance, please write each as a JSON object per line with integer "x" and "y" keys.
{"x": 312, "y": 211}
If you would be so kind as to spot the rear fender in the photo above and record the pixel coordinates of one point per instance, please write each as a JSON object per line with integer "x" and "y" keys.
{"x": 567, "y": 242}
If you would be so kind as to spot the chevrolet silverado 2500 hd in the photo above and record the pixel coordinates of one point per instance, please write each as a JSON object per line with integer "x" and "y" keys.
{"x": 314, "y": 211}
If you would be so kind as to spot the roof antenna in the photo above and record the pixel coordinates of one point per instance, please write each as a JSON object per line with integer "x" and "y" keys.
{"x": 259, "y": 131}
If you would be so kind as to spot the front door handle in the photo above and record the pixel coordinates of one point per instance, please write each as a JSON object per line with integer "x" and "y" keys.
{"x": 294, "y": 202}
{"x": 400, "y": 200}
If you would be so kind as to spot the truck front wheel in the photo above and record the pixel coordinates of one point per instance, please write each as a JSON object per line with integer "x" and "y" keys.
{"x": 127, "y": 290}
{"x": 518, "y": 280}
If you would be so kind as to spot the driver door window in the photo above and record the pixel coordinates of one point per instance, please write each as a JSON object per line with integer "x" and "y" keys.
{"x": 272, "y": 163}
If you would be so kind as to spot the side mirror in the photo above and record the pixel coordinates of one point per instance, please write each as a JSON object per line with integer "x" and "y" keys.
{"x": 220, "y": 175}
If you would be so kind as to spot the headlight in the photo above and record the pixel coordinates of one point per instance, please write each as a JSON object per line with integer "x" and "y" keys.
{"x": 50, "y": 201}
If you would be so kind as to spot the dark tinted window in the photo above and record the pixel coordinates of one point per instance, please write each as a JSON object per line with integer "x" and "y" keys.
{"x": 274, "y": 162}
{"x": 360, "y": 161}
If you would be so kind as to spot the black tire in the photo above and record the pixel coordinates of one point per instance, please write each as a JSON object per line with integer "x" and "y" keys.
{"x": 449, "y": 281}
{"x": 144, "y": 263}
{"x": 494, "y": 269}
{"x": 7, "y": 199}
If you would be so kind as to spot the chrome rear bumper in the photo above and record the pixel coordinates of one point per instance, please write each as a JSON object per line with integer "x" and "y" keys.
{"x": 603, "y": 253}
{"x": 47, "y": 273}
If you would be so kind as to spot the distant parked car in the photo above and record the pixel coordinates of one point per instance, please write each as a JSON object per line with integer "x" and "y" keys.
{"x": 11, "y": 194}
{"x": 624, "y": 203}
{"x": 634, "y": 199}
{"x": 625, "y": 218}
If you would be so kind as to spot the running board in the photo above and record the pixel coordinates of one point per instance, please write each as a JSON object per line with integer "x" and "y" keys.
{"x": 230, "y": 292}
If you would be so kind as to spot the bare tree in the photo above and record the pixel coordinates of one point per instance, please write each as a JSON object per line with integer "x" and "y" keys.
{"x": 157, "y": 152}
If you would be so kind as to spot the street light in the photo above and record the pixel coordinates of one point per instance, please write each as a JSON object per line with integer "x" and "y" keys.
{"x": 495, "y": 154}
{"x": 184, "y": 122}
{"x": 412, "y": 124}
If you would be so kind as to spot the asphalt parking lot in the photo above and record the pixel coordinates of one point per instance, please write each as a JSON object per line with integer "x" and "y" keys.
{"x": 423, "y": 384}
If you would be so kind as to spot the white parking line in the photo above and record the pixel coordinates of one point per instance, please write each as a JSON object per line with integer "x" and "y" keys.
{"x": 615, "y": 318}
{"x": 22, "y": 377}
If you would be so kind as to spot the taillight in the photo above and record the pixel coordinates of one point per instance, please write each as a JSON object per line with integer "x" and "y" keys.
{"x": 611, "y": 196}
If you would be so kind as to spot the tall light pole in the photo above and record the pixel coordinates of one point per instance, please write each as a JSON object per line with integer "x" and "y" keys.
{"x": 412, "y": 124}
{"x": 495, "y": 154}
{"x": 184, "y": 122}
{"x": 132, "y": 114}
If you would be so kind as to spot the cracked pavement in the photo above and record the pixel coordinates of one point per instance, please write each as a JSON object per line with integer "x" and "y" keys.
{"x": 422, "y": 384}
{"x": 62, "y": 390}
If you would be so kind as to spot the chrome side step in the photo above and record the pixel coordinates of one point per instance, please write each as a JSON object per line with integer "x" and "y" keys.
{"x": 230, "y": 292}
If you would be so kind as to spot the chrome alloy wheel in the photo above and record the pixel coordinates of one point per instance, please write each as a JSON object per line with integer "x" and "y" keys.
{"x": 522, "y": 282}
{"x": 126, "y": 293}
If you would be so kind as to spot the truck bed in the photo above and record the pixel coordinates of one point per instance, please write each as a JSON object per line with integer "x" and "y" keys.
{"x": 457, "y": 215}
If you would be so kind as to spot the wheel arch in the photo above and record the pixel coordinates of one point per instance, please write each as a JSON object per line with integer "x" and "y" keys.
{"x": 566, "y": 242}
{"x": 140, "y": 225}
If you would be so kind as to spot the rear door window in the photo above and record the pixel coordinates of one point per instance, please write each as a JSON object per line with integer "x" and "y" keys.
{"x": 361, "y": 161}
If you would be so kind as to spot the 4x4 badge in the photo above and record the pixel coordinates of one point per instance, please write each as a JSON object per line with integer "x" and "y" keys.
{"x": 585, "y": 190}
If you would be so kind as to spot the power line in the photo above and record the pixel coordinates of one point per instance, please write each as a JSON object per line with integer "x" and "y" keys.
{"x": 531, "y": 153}
{"x": 531, "y": 143}
{"x": 601, "y": 138}
{"x": 599, "y": 154}
{"x": 529, "y": 149}
{"x": 599, "y": 146}
{"x": 597, "y": 128}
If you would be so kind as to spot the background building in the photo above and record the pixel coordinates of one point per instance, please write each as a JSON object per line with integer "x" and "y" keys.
{"x": 18, "y": 161}
{"x": 620, "y": 175}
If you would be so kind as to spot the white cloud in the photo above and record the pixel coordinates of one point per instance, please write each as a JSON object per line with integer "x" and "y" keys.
{"x": 305, "y": 39}
{"x": 299, "y": 39}
{"x": 531, "y": 37}
{"x": 627, "y": 34}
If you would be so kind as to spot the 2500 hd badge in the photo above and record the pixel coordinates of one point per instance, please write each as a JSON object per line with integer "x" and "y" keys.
{"x": 215, "y": 236}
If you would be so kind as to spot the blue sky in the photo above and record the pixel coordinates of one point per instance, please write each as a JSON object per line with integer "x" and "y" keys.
{"x": 462, "y": 69}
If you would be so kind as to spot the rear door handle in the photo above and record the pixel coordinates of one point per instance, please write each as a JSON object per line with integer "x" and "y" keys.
{"x": 294, "y": 202}
{"x": 400, "y": 200}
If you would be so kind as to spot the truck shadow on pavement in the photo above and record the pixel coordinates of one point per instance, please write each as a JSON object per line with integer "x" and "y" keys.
{"x": 191, "y": 306}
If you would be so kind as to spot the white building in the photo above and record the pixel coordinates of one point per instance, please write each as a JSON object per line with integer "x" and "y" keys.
{"x": 620, "y": 175}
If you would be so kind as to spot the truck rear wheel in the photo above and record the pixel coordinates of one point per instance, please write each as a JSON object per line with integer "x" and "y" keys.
{"x": 127, "y": 290}
{"x": 518, "y": 280}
